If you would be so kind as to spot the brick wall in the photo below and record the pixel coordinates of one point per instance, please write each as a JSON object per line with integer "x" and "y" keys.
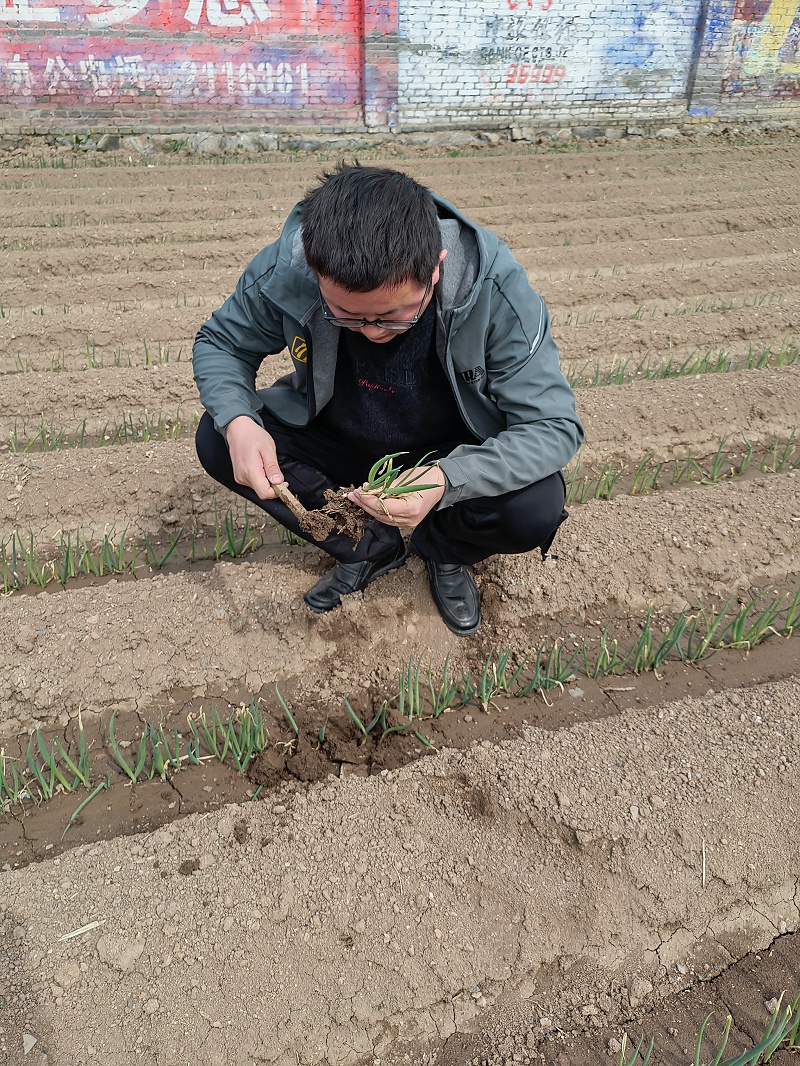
{"x": 748, "y": 57}
{"x": 544, "y": 59}
{"x": 351, "y": 64}
{"x": 202, "y": 62}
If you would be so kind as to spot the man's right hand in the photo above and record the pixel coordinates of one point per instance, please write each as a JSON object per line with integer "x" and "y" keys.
{"x": 254, "y": 457}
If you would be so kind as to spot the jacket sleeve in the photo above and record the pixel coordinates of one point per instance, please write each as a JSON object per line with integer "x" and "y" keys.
{"x": 231, "y": 345}
{"x": 538, "y": 428}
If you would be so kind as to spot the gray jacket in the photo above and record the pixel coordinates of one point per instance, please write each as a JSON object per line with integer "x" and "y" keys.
{"x": 493, "y": 339}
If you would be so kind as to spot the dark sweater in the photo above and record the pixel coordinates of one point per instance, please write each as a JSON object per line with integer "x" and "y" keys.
{"x": 394, "y": 396}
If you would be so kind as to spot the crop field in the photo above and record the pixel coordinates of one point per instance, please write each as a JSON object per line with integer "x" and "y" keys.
{"x": 235, "y": 832}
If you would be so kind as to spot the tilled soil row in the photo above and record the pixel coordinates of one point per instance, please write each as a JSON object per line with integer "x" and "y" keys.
{"x": 141, "y": 489}
{"x": 610, "y": 221}
{"x": 616, "y": 172}
{"x": 663, "y": 335}
{"x": 619, "y": 254}
{"x": 646, "y": 283}
{"x": 104, "y": 339}
{"x": 104, "y": 398}
{"x": 234, "y": 225}
{"x": 84, "y": 337}
{"x": 653, "y": 852}
{"x": 98, "y": 350}
{"x": 74, "y": 234}
{"x": 628, "y": 160}
{"x": 172, "y": 283}
{"x": 694, "y": 307}
{"x": 166, "y": 260}
{"x": 567, "y": 289}
{"x": 618, "y": 194}
{"x": 127, "y": 643}
{"x": 671, "y": 419}
{"x": 117, "y": 337}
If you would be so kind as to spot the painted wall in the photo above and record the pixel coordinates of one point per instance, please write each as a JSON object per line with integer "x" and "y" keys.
{"x": 764, "y": 50}
{"x": 296, "y": 58}
{"x": 345, "y": 64}
{"x": 531, "y": 57}
{"x": 749, "y": 54}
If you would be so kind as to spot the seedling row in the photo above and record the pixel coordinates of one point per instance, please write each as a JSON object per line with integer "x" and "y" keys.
{"x": 652, "y": 473}
{"x": 590, "y": 374}
{"x": 24, "y": 563}
{"x": 782, "y": 1033}
{"x": 607, "y": 413}
{"x": 422, "y": 695}
{"x": 141, "y": 429}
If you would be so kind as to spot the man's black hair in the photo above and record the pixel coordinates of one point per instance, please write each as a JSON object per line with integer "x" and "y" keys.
{"x": 366, "y": 227}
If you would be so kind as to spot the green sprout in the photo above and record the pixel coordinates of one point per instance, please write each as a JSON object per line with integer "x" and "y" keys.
{"x": 95, "y": 792}
{"x": 12, "y": 786}
{"x": 287, "y": 712}
{"x": 782, "y": 1029}
{"x": 384, "y": 479}
{"x": 131, "y": 770}
{"x": 359, "y": 724}
{"x": 443, "y": 694}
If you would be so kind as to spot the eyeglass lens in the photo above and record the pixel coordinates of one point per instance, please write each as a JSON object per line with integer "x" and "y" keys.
{"x": 381, "y": 323}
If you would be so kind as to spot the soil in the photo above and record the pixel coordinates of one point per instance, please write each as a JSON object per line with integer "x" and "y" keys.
{"x": 338, "y": 513}
{"x": 534, "y": 886}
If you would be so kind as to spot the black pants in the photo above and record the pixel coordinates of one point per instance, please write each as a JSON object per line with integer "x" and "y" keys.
{"x": 312, "y": 461}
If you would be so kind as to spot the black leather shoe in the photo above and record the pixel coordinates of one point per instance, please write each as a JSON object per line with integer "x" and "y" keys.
{"x": 345, "y": 578}
{"x": 455, "y": 595}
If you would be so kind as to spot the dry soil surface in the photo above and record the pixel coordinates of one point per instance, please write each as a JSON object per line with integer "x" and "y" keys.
{"x": 501, "y": 900}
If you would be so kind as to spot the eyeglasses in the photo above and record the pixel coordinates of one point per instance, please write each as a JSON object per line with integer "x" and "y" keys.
{"x": 397, "y": 325}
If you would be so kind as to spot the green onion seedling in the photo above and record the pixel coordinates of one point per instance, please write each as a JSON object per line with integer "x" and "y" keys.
{"x": 442, "y": 697}
{"x": 385, "y": 480}
{"x": 287, "y": 712}
{"x": 360, "y": 725}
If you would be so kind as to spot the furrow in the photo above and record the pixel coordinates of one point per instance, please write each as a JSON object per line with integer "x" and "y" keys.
{"x": 96, "y": 399}
{"x": 660, "y": 337}
{"x": 69, "y": 339}
{"x": 607, "y": 244}
{"x": 114, "y": 216}
{"x": 120, "y": 322}
{"x": 643, "y": 281}
{"x": 148, "y": 488}
{"x": 670, "y": 550}
{"x": 633, "y": 159}
{"x": 658, "y": 307}
{"x": 619, "y": 254}
{"x": 685, "y": 416}
{"x": 128, "y": 643}
{"x": 142, "y": 489}
{"x": 198, "y": 229}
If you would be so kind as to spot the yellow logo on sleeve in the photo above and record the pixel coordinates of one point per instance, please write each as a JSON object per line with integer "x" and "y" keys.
{"x": 299, "y": 350}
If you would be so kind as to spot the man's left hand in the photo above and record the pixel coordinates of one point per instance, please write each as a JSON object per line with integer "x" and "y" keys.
{"x": 411, "y": 507}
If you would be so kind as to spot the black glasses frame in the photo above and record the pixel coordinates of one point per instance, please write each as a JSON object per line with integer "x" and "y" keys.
{"x": 392, "y": 324}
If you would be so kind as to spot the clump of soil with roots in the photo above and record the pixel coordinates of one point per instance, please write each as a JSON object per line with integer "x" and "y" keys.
{"x": 384, "y": 481}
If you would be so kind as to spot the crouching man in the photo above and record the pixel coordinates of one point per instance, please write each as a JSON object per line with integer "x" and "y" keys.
{"x": 410, "y": 329}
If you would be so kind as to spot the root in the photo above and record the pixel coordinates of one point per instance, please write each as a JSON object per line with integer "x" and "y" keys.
{"x": 338, "y": 513}
{"x": 285, "y": 495}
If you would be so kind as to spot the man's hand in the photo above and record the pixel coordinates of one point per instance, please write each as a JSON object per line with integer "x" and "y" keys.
{"x": 410, "y": 508}
{"x": 253, "y": 455}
